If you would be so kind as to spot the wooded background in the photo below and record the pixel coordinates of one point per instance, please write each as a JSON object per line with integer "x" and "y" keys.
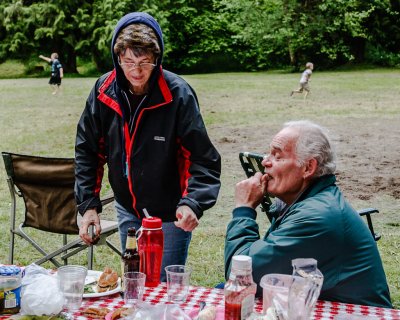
{"x": 209, "y": 35}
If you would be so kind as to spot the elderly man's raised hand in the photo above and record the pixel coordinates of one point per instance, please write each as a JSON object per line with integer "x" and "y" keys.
{"x": 250, "y": 192}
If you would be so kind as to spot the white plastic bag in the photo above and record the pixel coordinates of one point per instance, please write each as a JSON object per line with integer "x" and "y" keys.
{"x": 161, "y": 312}
{"x": 40, "y": 294}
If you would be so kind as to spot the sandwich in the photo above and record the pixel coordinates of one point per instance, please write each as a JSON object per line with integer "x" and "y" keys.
{"x": 208, "y": 313}
{"x": 95, "y": 313}
{"x": 121, "y": 313}
{"x": 108, "y": 280}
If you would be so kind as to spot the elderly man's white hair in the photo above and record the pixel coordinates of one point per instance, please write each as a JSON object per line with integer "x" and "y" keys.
{"x": 313, "y": 142}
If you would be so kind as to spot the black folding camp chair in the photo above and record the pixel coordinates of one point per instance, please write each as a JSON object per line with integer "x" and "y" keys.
{"x": 251, "y": 163}
{"x": 46, "y": 186}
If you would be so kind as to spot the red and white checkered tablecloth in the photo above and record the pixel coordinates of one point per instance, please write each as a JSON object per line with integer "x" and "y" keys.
{"x": 324, "y": 310}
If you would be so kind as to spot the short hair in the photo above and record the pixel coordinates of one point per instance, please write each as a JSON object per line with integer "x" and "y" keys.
{"x": 54, "y": 55}
{"x": 140, "y": 38}
{"x": 309, "y": 65}
{"x": 313, "y": 142}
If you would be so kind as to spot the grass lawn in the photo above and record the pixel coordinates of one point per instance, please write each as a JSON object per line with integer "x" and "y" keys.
{"x": 242, "y": 111}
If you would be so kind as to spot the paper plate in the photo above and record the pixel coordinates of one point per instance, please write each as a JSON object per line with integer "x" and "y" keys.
{"x": 95, "y": 275}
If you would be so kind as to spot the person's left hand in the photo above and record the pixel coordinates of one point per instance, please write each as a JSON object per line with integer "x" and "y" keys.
{"x": 187, "y": 219}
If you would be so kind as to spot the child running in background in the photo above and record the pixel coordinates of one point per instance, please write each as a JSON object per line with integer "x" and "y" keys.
{"x": 57, "y": 71}
{"x": 305, "y": 78}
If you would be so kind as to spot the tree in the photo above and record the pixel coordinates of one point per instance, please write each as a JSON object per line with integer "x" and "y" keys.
{"x": 103, "y": 19}
{"x": 195, "y": 34}
{"x": 51, "y": 26}
{"x": 64, "y": 26}
{"x": 209, "y": 35}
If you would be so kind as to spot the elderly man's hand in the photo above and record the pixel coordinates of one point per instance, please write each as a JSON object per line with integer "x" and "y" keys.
{"x": 90, "y": 218}
{"x": 250, "y": 192}
{"x": 187, "y": 219}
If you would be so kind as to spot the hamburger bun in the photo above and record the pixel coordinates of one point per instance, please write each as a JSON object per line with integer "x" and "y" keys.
{"x": 108, "y": 280}
{"x": 95, "y": 313}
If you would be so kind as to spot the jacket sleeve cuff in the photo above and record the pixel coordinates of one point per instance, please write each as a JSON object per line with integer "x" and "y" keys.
{"x": 90, "y": 204}
{"x": 244, "y": 212}
{"x": 193, "y": 204}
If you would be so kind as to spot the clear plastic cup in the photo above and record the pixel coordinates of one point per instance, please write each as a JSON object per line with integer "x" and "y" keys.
{"x": 276, "y": 292}
{"x": 178, "y": 279}
{"x": 133, "y": 287}
{"x": 71, "y": 280}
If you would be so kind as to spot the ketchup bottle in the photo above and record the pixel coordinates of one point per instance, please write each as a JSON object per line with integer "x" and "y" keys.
{"x": 151, "y": 244}
{"x": 240, "y": 289}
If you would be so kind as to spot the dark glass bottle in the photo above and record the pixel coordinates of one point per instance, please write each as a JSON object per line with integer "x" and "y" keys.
{"x": 130, "y": 257}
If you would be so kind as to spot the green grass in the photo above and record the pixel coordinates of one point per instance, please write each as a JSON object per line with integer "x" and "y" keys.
{"x": 12, "y": 69}
{"x": 234, "y": 106}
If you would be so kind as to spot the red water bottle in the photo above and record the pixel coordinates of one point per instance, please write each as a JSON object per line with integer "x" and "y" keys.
{"x": 151, "y": 244}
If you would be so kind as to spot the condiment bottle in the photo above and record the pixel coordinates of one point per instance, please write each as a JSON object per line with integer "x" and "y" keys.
{"x": 240, "y": 289}
{"x": 151, "y": 245}
{"x": 130, "y": 257}
{"x": 10, "y": 289}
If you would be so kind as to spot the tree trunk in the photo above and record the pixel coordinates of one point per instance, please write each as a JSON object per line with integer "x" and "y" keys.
{"x": 292, "y": 54}
{"x": 358, "y": 49}
{"x": 67, "y": 55}
{"x": 69, "y": 64}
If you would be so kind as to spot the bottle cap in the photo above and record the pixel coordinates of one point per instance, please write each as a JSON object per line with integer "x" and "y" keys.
{"x": 152, "y": 223}
{"x": 308, "y": 264}
{"x": 241, "y": 262}
{"x": 9, "y": 270}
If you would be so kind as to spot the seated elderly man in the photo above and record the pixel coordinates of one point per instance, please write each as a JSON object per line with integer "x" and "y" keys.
{"x": 311, "y": 220}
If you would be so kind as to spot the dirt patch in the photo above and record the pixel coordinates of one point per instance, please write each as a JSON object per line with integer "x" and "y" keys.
{"x": 368, "y": 158}
{"x": 368, "y": 154}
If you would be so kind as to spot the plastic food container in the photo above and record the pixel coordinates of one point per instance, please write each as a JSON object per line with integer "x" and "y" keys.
{"x": 10, "y": 289}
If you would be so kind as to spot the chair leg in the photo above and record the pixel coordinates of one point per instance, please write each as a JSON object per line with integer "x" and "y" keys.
{"x": 12, "y": 222}
{"x": 90, "y": 257}
{"x": 65, "y": 239}
{"x": 90, "y": 250}
{"x": 70, "y": 246}
{"x": 11, "y": 252}
{"x": 114, "y": 248}
{"x": 23, "y": 235}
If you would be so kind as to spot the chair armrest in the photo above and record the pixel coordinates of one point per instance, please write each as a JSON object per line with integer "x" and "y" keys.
{"x": 367, "y": 212}
{"x": 107, "y": 199}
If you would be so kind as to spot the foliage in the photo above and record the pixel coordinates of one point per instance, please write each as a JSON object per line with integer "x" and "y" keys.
{"x": 279, "y": 32}
{"x": 105, "y": 15}
{"x": 209, "y": 35}
{"x": 381, "y": 57}
{"x": 195, "y": 34}
{"x": 12, "y": 69}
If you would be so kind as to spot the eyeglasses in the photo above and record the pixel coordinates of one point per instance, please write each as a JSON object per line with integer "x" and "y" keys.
{"x": 133, "y": 66}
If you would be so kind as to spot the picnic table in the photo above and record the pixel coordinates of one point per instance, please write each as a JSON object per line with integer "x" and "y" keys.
{"x": 324, "y": 310}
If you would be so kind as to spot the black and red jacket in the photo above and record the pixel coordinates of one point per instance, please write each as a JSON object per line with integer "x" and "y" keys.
{"x": 167, "y": 159}
{"x": 170, "y": 158}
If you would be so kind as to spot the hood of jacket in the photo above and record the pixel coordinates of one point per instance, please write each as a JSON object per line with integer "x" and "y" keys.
{"x": 136, "y": 18}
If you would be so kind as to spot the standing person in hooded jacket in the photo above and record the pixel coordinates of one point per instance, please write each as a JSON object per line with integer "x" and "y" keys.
{"x": 145, "y": 124}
